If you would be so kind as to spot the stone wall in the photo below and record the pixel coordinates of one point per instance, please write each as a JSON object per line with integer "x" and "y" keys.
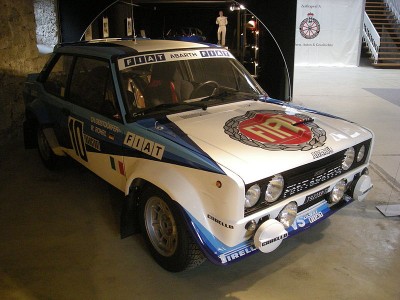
{"x": 46, "y": 22}
{"x": 19, "y": 56}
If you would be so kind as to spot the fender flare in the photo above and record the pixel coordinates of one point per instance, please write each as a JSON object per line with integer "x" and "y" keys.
{"x": 37, "y": 109}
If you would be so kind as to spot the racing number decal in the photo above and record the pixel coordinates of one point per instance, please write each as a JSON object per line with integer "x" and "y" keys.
{"x": 76, "y": 133}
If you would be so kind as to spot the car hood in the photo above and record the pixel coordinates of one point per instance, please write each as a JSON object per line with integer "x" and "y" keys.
{"x": 256, "y": 139}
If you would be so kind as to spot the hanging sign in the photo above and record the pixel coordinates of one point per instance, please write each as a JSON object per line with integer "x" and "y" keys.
{"x": 106, "y": 32}
{"x": 328, "y": 33}
{"x": 129, "y": 26}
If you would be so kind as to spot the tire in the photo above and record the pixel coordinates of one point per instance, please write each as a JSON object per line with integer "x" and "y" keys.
{"x": 165, "y": 233}
{"x": 47, "y": 155}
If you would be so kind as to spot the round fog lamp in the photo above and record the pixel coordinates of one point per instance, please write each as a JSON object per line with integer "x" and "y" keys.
{"x": 251, "y": 225}
{"x": 252, "y": 196}
{"x": 348, "y": 158}
{"x": 274, "y": 188}
{"x": 288, "y": 214}
{"x": 361, "y": 153}
{"x": 337, "y": 192}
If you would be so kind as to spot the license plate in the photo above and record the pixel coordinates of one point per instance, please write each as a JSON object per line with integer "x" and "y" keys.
{"x": 316, "y": 195}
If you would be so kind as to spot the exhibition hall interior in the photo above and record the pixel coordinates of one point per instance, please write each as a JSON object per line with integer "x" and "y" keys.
{"x": 248, "y": 149}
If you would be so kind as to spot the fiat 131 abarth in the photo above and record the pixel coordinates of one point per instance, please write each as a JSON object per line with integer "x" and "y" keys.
{"x": 210, "y": 166}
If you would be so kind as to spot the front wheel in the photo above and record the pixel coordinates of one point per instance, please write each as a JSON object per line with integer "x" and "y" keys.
{"x": 47, "y": 155}
{"x": 165, "y": 233}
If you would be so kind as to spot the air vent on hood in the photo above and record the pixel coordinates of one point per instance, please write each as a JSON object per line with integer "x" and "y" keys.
{"x": 193, "y": 115}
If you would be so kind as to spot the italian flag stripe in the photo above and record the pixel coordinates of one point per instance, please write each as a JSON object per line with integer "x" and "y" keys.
{"x": 112, "y": 161}
{"x": 121, "y": 167}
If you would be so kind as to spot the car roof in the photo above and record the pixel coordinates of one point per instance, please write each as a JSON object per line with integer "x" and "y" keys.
{"x": 109, "y": 48}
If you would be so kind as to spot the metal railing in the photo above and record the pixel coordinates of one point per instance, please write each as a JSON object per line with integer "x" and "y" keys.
{"x": 371, "y": 37}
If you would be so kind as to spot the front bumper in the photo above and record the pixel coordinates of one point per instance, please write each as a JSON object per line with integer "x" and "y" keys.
{"x": 220, "y": 254}
{"x": 309, "y": 214}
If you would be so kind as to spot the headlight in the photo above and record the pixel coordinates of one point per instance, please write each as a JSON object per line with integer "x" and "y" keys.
{"x": 338, "y": 191}
{"x": 274, "y": 188}
{"x": 252, "y": 195}
{"x": 348, "y": 158}
{"x": 361, "y": 153}
{"x": 288, "y": 214}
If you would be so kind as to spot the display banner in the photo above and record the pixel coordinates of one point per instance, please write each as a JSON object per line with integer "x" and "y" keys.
{"x": 328, "y": 32}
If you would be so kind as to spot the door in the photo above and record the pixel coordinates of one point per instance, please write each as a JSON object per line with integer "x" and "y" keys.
{"x": 95, "y": 126}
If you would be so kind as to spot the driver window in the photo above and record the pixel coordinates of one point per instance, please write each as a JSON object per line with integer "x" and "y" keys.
{"x": 56, "y": 81}
{"x": 92, "y": 87}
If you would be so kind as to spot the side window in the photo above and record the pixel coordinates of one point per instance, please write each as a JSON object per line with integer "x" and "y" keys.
{"x": 92, "y": 87}
{"x": 56, "y": 81}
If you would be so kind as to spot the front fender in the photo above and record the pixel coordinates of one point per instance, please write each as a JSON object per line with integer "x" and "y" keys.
{"x": 217, "y": 207}
{"x": 38, "y": 108}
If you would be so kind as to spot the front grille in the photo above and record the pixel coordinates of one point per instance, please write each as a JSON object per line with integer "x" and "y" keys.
{"x": 308, "y": 176}
{"x": 311, "y": 175}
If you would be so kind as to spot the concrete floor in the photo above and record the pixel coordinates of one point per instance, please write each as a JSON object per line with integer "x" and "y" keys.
{"x": 59, "y": 230}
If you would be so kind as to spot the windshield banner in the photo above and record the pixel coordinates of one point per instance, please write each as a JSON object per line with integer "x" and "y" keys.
{"x": 142, "y": 59}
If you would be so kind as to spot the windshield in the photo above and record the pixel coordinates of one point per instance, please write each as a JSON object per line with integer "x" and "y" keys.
{"x": 184, "y": 82}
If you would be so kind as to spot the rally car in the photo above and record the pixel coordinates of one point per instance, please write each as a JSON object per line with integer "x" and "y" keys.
{"x": 211, "y": 166}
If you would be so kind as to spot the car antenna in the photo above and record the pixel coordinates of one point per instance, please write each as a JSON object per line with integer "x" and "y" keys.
{"x": 133, "y": 24}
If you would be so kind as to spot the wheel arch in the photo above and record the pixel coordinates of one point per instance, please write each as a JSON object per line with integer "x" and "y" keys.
{"x": 206, "y": 198}
{"x": 168, "y": 180}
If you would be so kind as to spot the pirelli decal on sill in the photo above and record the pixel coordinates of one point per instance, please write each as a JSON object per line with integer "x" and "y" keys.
{"x": 144, "y": 145}
{"x": 171, "y": 56}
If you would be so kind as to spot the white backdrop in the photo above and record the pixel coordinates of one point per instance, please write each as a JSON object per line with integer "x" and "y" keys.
{"x": 328, "y": 32}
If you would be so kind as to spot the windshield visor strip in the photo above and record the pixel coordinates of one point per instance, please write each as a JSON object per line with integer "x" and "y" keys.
{"x": 152, "y": 58}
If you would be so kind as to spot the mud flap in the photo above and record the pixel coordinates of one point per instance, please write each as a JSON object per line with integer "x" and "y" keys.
{"x": 129, "y": 222}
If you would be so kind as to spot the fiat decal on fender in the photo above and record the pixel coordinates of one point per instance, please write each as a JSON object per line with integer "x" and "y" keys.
{"x": 276, "y": 130}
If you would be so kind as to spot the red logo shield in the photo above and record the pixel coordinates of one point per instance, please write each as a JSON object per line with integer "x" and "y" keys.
{"x": 276, "y": 129}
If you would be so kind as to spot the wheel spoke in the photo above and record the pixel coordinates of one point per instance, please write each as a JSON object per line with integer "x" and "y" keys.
{"x": 160, "y": 224}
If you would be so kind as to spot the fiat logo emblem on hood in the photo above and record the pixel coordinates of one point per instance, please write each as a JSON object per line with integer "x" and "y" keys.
{"x": 276, "y": 130}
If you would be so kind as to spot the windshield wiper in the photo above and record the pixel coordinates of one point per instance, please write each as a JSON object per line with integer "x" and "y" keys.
{"x": 166, "y": 106}
{"x": 219, "y": 96}
{"x": 224, "y": 94}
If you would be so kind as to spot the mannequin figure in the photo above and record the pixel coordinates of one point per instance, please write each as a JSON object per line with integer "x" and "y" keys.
{"x": 222, "y": 21}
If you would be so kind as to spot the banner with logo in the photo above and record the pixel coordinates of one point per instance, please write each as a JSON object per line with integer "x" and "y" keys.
{"x": 328, "y": 32}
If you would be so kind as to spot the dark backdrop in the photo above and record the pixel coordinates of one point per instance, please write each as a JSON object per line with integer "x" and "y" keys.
{"x": 156, "y": 17}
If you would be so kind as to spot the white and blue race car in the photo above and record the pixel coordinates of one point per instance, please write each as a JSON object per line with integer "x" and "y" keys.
{"x": 211, "y": 167}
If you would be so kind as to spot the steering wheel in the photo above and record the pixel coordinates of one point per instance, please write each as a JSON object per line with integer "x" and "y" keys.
{"x": 203, "y": 84}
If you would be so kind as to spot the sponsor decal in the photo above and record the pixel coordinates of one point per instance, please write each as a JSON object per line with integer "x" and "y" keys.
{"x": 310, "y": 216}
{"x": 211, "y": 53}
{"x": 105, "y": 124}
{"x": 276, "y": 130}
{"x": 144, "y": 59}
{"x": 102, "y": 127}
{"x": 119, "y": 164}
{"x": 309, "y": 27}
{"x": 237, "y": 253}
{"x": 314, "y": 216}
{"x": 220, "y": 222}
{"x": 322, "y": 152}
{"x": 183, "y": 55}
{"x": 92, "y": 142}
{"x": 278, "y": 238}
{"x": 144, "y": 145}
{"x": 171, "y": 56}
